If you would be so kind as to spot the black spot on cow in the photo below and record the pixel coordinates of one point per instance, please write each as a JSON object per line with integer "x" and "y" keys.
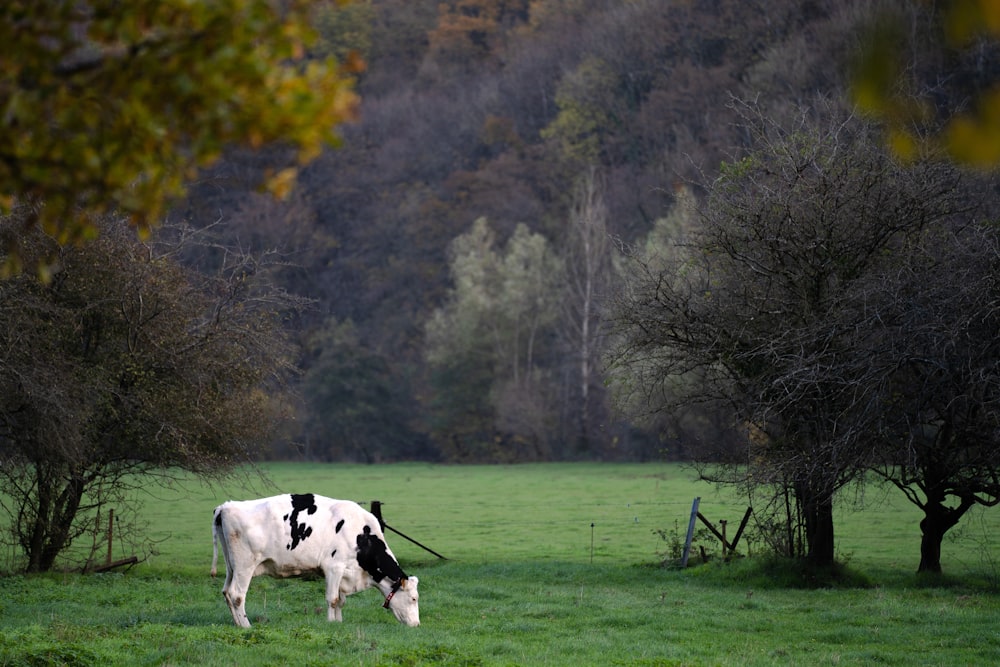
{"x": 333, "y": 554}
{"x": 375, "y": 560}
{"x": 304, "y": 502}
{"x": 218, "y": 520}
{"x": 340, "y": 524}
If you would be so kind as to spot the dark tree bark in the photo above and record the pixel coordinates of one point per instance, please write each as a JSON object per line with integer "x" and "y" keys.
{"x": 938, "y": 520}
{"x": 53, "y": 529}
{"x": 817, "y": 514}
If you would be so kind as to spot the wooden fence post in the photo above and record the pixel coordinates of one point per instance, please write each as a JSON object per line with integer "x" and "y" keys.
{"x": 377, "y": 511}
{"x": 108, "y": 563}
{"x": 728, "y": 548}
{"x": 739, "y": 531}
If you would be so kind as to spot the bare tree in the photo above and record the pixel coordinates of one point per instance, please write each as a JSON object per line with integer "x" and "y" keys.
{"x": 123, "y": 366}
{"x": 938, "y": 329}
{"x": 763, "y": 306}
{"x": 588, "y": 277}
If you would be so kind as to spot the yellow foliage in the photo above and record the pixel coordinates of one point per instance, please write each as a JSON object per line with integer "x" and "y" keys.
{"x": 971, "y": 138}
{"x": 281, "y": 183}
{"x": 966, "y": 19}
{"x": 903, "y": 144}
{"x": 975, "y": 138}
{"x": 115, "y": 105}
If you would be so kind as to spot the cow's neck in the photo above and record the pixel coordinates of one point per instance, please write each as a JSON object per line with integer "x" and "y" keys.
{"x": 386, "y": 586}
{"x": 392, "y": 591}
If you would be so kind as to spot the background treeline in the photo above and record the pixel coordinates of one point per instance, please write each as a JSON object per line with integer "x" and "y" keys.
{"x": 761, "y": 237}
{"x": 458, "y": 244}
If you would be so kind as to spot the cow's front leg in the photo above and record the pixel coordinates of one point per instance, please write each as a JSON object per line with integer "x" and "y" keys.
{"x": 334, "y": 611}
{"x": 334, "y": 600}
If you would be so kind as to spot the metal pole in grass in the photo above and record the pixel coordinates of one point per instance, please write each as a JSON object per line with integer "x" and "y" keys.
{"x": 111, "y": 531}
{"x": 591, "y": 542}
{"x": 690, "y": 534}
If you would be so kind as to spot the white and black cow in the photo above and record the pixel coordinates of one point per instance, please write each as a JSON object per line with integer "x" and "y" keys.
{"x": 296, "y": 534}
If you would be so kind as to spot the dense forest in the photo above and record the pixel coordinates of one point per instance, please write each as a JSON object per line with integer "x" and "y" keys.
{"x": 461, "y": 245}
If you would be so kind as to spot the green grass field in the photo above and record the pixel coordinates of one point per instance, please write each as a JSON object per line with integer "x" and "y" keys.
{"x": 552, "y": 564}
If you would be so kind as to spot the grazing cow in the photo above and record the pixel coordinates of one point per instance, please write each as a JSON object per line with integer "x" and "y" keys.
{"x": 296, "y": 534}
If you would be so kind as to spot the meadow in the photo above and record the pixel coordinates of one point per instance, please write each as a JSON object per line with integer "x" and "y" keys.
{"x": 550, "y": 564}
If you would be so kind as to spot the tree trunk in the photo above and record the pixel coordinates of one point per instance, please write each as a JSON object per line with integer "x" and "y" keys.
{"x": 938, "y": 520}
{"x": 32, "y": 537}
{"x": 817, "y": 513}
{"x": 588, "y": 267}
{"x": 52, "y": 529}
{"x": 820, "y": 534}
{"x": 930, "y": 547}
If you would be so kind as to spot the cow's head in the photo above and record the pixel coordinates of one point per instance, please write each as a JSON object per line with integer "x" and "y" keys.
{"x": 403, "y": 601}
{"x": 375, "y": 559}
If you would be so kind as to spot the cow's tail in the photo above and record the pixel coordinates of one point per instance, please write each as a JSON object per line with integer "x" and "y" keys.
{"x": 216, "y": 529}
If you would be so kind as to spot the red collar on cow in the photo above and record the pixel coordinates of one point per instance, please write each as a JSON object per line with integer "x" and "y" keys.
{"x": 388, "y": 598}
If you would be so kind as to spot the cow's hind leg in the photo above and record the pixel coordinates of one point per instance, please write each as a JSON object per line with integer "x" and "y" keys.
{"x": 227, "y": 585}
{"x": 235, "y": 592}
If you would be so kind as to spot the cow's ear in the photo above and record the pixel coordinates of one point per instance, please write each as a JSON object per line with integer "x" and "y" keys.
{"x": 409, "y": 582}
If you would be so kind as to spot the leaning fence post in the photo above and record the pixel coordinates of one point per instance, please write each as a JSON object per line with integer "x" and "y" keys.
{"x": 111, "y": 531}
{"x": 690, "y": 533}
{"x": 377, "y": 511}
{"x": 739, "y": 531}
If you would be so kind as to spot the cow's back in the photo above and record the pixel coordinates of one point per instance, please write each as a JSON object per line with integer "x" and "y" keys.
{"x": 293, "y": 534}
